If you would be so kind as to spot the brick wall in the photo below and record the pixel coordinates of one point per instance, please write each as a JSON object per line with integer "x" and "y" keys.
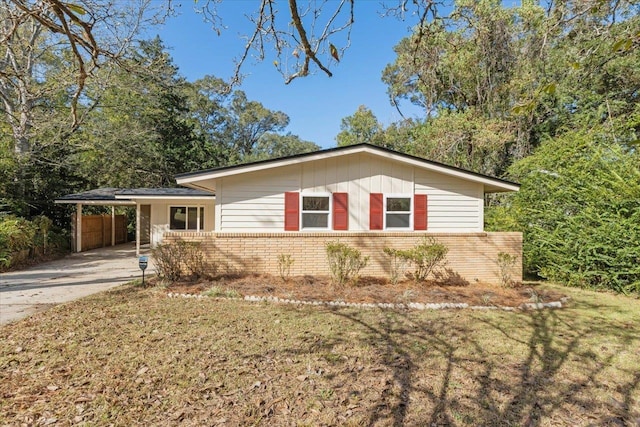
{"x": 471, "y": 257}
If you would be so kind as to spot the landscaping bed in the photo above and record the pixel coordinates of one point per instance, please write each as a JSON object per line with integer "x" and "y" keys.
{"x": 367, "y": 290}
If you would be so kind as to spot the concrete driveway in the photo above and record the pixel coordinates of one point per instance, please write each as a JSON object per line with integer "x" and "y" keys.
{"x": 37, "y": 288}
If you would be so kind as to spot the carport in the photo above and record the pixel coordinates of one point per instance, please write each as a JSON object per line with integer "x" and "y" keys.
{"x": 153, "y": 208}
{"x": 101, "y": 197}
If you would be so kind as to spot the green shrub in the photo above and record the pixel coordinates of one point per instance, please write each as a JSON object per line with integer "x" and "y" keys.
{"x": 345, "y": 262}
{"x": 42, "y": 236}
{"x": 22, "y": 239}
{"x": 5, "y": 253}
{"x": 18, "y": 233}
{"x": 285, "y": 261}
{"x": 425, "y": 257}
{"x": 181, "y": 259}
{"x": 397, "y": 264}
{"x": 579, "y": 211}
{"x": 506, "y": 262}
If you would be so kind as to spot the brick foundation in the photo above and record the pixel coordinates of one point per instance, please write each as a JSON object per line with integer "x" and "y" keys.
{"x": 471, "y": 257}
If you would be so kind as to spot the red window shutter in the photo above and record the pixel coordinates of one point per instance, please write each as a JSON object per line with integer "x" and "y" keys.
{"x": 420, "y": 212}
{"x": 375, "y": 211}
{"x": 340, "y": 211}
{"x": 292, "y": 211}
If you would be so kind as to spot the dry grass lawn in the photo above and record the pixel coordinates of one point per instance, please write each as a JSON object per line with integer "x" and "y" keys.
{"x": 135, "y": 357}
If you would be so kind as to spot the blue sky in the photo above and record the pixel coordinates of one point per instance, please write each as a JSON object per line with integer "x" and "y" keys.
{"x": 315, "y": 104}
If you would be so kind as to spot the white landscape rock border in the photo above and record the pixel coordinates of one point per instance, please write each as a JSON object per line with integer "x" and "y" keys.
{"x": 400, "y": 306}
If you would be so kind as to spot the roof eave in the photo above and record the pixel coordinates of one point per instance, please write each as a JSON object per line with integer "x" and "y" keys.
{"x": 165, "y": 197}
{"x": 501, "y": 189}
{"x": 190, "y": 178}
{"x": 123, "y": 202}
{"x": 494, "y": 184}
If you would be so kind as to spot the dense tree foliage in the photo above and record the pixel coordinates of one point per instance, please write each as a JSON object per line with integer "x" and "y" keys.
{"x": 494, "y": 80}
{"x": 140, "y": 124}
{"x": 363, "y": 126}
{"x": 579, "y": 208}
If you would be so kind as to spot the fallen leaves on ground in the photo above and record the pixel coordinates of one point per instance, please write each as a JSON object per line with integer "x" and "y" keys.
{"x": 135, "y": 357}
{"x": 372, "y": 290}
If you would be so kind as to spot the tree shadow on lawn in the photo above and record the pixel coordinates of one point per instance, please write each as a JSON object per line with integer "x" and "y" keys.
{"x": 554, "y": 377}
{"x": 492, "y": 368}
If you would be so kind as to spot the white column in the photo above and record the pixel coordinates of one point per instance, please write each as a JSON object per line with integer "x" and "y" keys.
{"x": 113, "y": 225}
{"x": 79, "y": 227}
{"x": 137, "y": 229}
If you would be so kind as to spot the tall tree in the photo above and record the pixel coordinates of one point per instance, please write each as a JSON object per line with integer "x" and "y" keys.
{"x": 526, "y": 72}
{"x": 140, "y": 121}
{"x": 92, "y": 33}
{"x": 249, "y": 121}
{"x": 272, "y": 145}
{"x": 362, "y": 126}
{"x": 44, "y": 67}
{"x": 235, "y": 129}
{"x": 151, "y": 123}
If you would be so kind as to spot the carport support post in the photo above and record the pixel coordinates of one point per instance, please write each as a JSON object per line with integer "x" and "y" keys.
{"x": 113, "y": 225}
{"x": 137, "y": 229}
{"x": 79, "y": 227}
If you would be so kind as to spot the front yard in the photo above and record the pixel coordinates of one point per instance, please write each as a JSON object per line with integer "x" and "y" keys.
{"x": 135, "y": 357}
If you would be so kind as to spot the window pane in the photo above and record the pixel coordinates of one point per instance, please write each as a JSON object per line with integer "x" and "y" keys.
{"x": 315, "y": 203}
{"x": 398, "y": 204}
{"x": 193, "y": 218}
{"x": 177, "y": 218}
{"x": 398, "y": 220}
{"x": 201, "y": 218}
{"x": 313, "y": 220}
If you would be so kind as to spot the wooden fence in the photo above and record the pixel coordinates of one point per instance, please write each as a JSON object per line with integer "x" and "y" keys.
{"x": 96, "y": 231}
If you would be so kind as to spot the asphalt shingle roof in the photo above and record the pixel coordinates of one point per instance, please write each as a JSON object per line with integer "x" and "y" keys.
{"x": 109, "y": 194}
{"x": 169, "y": 192}
{"x": 97, "y": 194}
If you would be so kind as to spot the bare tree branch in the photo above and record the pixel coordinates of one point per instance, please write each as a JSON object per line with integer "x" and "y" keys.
{"x": 291, "y": 39}
{"x": 306, "y": 46}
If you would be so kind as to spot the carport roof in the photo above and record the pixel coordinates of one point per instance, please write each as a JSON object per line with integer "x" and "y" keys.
{"x": 162, "y": 192}
{"x": 126, "y": 196}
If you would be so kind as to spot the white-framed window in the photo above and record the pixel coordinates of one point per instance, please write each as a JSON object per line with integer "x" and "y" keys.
{"x": 398, "y": 211}
{"x": 315, "y": 212}
{"x": 189, "y": 218}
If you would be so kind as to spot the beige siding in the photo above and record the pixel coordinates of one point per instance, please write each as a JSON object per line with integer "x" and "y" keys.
{"x": 159, "y": 222}
{"x": 454, "y": 204}
{"x": 358, "y": 175}
{"x": 254, "y": 202}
